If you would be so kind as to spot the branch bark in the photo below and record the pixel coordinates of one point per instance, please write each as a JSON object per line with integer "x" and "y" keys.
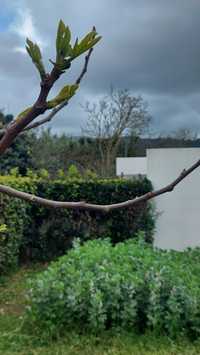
{"x": 39, "y": 107}
{"x": 95, "y": 207}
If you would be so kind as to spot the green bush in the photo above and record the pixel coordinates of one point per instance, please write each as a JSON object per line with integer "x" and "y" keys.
{"x": 53, "y": 231}
{"x": 15, "y": 214}
{"x": 40, "y": 234}
{"x": 130, "y": 286}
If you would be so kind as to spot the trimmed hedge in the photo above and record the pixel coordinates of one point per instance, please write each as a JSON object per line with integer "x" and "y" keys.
{"x": 15, "y": 214}
{"x": 43, "y": 234}
{"x": 131, "y": 287}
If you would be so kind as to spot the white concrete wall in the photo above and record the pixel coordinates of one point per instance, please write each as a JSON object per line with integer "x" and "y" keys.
{"x": 131, "y": 166}
{"x": 178, "y": 225}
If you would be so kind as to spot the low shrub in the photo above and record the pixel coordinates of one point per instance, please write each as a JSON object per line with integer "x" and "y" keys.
{"x": 130, "y": 286}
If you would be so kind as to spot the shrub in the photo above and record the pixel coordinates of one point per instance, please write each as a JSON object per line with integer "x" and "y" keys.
{"x": 15, "y": 214}
{"x": 52, "y": 231}
{"x": 129, "y": 286}
{"x": 43, "y": 234}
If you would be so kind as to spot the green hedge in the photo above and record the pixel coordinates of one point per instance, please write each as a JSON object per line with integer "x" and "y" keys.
{"x": 15, "y": 214}
{"x": 130, "y": 287}
{"x": 43, "y": 234}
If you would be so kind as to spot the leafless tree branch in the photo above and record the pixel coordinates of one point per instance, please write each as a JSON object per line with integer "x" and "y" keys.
{"x": 116, "y": 115}
{"x": 95, "y": 207}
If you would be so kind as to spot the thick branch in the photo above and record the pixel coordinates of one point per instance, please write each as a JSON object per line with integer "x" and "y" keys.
{"x": 95, "y": 207}
{"x": 39, "y": 107}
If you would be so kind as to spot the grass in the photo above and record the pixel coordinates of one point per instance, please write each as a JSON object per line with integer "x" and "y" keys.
{"x": 14, "y": 341}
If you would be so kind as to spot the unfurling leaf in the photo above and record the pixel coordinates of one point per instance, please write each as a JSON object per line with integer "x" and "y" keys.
{"x": 60, "y": 31}
{"x": 35, "y": 54}
{"x": 65, "y": 94}
{"x": 86, "y": 43}
{"x": 63, "y": 47}
{"x": 65, "y": 51}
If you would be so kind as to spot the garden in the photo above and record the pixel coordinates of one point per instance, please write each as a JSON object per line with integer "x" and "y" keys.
{"x": 79, "y": 273}
{"x": 88, "y": 282}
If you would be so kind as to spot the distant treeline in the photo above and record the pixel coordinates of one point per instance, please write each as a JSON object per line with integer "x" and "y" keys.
{"x": 142, "y": 144}
{"x": 56, "y": 154}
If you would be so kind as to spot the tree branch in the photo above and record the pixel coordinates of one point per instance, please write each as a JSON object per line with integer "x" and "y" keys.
{"x": 39, "y": 107}
{"x": 64, "y": 103}
{"x": 95, "y": 207}
{"x": 56, "y": 109}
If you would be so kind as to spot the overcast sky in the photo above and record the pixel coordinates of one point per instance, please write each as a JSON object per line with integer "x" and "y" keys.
{"x": 150, "y": 47}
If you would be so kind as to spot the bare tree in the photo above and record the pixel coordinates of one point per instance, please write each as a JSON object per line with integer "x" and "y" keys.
{"x": 185, "y": 134}
{"x": 113, "y": 117}
{"x": 66, "y": 53}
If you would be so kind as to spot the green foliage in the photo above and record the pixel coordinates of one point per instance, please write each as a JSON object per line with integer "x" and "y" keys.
{"x": 63, "y": 47}
{"x": 65, "y": 51}
{"x": 86, "y": 43}
{"x": 15, "y": 214}
{"x": 35, "y": 54}
{"x": 52, "y": 231}
{"x": 55, "y": 153}
{"x": 2, "y": 228}
{"x": 31, "y": 174}
{"x": 130, "y": 287}
{"x": 43, "y": 174}
{"x": 89, "y": 174}
{"x": 19, "y": 155}
{"x": 73, "y": 173}
{"x": 14, "y": 172}
{"x": 65, "y": 94}
{"x": 42, "y": 234}
{"x": 61, "y": 174}
{"x": 16, "y": 339}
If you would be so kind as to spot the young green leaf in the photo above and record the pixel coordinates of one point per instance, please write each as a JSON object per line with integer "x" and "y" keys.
{"x": 62, "y": 42}
{"x": 60, "y": 31}
{"x": 65, "y": 53}
{"x": 35, "y": 54}
{"x": 86, "y": 43}
{"x": 65, "y": 94}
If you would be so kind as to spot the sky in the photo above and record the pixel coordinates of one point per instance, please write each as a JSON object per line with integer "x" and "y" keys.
{"x": 151, "y": 48}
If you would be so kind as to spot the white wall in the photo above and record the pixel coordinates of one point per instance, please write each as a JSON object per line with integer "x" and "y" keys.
{"x": 178, "y": 223}
{"x": 131, "y": 166}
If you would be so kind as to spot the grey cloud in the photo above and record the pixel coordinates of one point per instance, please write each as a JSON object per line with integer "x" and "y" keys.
{"x": 150, "y": 47}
